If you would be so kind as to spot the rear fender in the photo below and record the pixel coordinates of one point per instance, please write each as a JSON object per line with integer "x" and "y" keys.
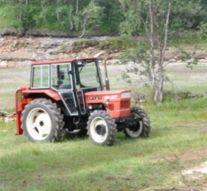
{"x": 39, "y": 93}
{"x": 24, "y": 96}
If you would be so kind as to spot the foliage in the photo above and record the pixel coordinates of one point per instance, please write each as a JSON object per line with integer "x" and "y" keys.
{"x": 188, "y": 14}
{"x": 91, "y": 15}
{"x": 138, "y": 58}
{"x": 111, "y": 16}
{"x": 24, "y": 16}
{"x": 203, "y": 31}
{"x": 103, "y": 17}
{"x": 149, "y": 61}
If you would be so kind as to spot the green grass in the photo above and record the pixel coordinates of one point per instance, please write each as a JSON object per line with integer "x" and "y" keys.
{"x": 11, "y": 79}
{"x": 189, "y": 38}
{"x": 128, "y": 165}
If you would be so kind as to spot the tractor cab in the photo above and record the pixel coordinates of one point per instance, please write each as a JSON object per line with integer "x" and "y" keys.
{"x": 70, "y": 80}
{"x": 68, "y": 95}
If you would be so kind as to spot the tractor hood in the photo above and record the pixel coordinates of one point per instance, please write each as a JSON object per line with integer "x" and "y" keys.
{"x": 105, "y": 96}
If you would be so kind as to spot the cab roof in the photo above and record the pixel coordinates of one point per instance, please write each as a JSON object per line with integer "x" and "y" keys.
{"x": 46, "y": 62}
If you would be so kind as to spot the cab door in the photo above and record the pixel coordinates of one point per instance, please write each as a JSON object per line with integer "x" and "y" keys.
{"x": 87, "y": 78}
{"x": 61, "y": 81}
{"x": 81, "y": 101}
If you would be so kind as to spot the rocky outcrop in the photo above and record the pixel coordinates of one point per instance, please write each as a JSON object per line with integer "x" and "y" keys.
{"x": 16, "y": 51}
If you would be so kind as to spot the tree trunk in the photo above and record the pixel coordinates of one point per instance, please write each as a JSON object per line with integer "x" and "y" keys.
{"x": 159, "y": 86}
{"x": 85, "y": 21}
{"x": 164, "y": 45}
{"x": 159, "y": 79}
{"x": 151, "y": 39}
{"x": 77, "y": 7}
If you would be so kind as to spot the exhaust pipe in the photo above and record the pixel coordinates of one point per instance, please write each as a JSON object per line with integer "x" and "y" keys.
{"x": 107, "y": 83}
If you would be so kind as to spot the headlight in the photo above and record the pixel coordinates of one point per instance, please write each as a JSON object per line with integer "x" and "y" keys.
{"x": 126, "y": 95}
{"x": 106, "y": 98}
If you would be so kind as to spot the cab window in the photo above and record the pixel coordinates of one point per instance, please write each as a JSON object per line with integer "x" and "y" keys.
{"x": 40, "y": 76}
{"x": 60, "y": 76}
{"x": 87, "y": 74}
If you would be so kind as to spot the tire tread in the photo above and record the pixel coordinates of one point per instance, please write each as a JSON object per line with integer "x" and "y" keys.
{"x": 111, "y": 126}
{"x": 58, "y": 134}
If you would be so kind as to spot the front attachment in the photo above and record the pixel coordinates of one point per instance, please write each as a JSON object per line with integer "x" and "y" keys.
{"x": 20, "y": 103}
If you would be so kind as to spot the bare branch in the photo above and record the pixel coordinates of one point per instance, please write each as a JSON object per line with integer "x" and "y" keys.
{"x": 163, "y": 49}
{"x": 151, "y": 36}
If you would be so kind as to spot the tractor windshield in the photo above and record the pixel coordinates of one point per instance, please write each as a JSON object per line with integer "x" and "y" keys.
{"x": 88, "y": 74}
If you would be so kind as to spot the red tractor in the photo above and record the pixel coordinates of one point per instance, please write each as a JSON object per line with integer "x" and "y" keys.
{"x": 68, "y": 96}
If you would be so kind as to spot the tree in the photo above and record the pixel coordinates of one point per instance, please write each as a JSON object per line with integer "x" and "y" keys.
{"x": 151, "y": 55}
{"x": 188, "y": 14}
{"x": 111, "y": 16}
{"x": 158, "y": 37}
{"x": 24, "y": 15}
{"x": 132, "y": 11}
{"x": 90, "y": 15}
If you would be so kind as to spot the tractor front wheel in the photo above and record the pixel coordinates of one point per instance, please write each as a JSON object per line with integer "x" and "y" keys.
{"x": 142, "y": 124}
{"x": 101, "y": 128}
{"x": 42, "y": 121}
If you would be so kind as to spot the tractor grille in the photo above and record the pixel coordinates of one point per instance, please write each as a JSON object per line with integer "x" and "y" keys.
{"x": 125, "y": 104}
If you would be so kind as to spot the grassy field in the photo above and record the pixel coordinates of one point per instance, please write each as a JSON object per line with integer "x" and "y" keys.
{"x": 10, "y": 80}
{"x": 178, "y": 141}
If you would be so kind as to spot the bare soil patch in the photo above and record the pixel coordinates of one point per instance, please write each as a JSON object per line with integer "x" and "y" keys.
{"x": 200, "y": 125}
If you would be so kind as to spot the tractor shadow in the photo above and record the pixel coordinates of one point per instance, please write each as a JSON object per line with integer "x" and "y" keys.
{"x": 121, "y": 138}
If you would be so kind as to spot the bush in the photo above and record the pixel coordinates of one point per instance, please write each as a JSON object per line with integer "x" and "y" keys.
{"x": 182, "y": 95}
{"x": 203, "y": 31}
{"x": 25, "y": 13}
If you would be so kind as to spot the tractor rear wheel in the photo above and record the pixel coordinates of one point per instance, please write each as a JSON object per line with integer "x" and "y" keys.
{"x": 142, "y": 127}
{"x": 101, "y": 128}
{"x": 42, "y": 121}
